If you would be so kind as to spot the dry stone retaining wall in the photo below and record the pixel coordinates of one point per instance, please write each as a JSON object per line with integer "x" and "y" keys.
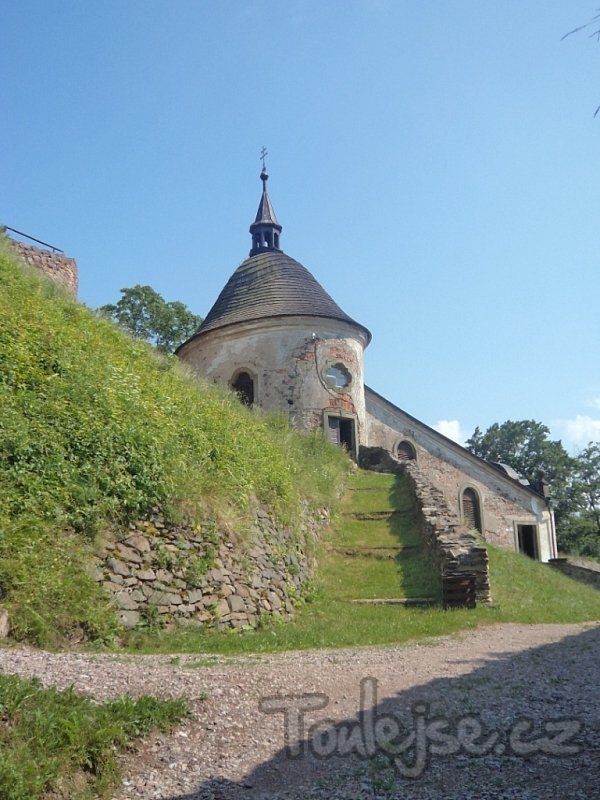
{"x": 160, "y": 574}
{"x": 456, "y": 550}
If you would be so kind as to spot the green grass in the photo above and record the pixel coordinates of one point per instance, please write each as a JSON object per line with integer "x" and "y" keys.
{"x": 373, "y": 491}
{"x": 353, "y": 568}
{"x": 397, "y": 531}
{"x": 59, "y": 742}
{"x": 524, "y": 591}
{"x": 97, "y": 430}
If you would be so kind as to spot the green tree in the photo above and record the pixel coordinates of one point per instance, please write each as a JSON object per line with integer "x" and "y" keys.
{"x": 587, "y": 471}
{"x": 146, "y": 314}
{"x": 526, "y": 447}
{"x": 581, "y": 532}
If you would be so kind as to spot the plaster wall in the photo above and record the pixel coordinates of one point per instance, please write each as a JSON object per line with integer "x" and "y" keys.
{"x": 504, "y": 504}
{"x": 288, "y": 358}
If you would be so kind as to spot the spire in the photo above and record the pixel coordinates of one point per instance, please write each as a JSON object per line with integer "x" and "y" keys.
{"x": 265, "y": 229}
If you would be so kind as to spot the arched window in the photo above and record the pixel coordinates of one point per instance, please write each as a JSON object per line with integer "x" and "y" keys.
{"x": 471, "y": 511}
{"x": 405, "y": 451}
{"x": 243, "y": 385}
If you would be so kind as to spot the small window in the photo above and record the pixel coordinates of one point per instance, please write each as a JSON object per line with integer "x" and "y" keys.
{"x": 244, "y": 388}
{"x": 471, "y": 511}
{"x": 337, "y": 376}
{"x": 405, "y": 452}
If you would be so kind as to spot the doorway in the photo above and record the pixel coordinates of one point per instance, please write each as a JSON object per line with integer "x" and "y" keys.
{"x": 527, "y": 540}
{"x": 341, "y": 433}
{"x": 243, "y": 386}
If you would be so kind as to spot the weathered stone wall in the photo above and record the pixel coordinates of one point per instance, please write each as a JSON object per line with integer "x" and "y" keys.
{"x": 456, "y": 550}
{"x": 287, "y": 359}
{"x": 56, "y": 266}
{"x": 449, "y": 467}
{"x": 164, "y": 573}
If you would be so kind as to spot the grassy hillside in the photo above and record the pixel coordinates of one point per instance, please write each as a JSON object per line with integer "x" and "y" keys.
{"x": 96, "y": 430}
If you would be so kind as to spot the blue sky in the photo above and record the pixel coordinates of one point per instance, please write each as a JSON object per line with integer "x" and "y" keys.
{"x": 433, "y": 163}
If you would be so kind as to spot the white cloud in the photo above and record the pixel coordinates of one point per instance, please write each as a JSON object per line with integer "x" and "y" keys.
{"x": 595, "y": 402}
{"x": 452, "y": 429}
{"x": 580, "y": 430}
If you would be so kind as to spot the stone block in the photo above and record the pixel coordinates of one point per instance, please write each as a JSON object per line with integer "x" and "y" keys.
{"x": 145, "y": 574}
{"x": 210, "y": 600}
{"x": 158, "y": 598}
{"x": 126, "y": 602}
{"x": 113, "y": 587}
{"x": 118, "y": 567}
{"x": 129, "y": 554}
{"x": 236, "y": 603}
{"x": 139, "y": 542}
{"x": 222, "y": 610}
{"x": 129, "y": 618}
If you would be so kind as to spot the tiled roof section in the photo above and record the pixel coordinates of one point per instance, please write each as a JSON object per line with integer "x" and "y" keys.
{"x": 272, "y": 284}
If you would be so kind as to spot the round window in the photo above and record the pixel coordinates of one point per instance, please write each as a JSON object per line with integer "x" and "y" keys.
{"x": 337, "y": 376}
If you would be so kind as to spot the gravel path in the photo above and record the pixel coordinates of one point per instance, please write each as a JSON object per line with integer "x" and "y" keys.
{"x": 509, "y": 711}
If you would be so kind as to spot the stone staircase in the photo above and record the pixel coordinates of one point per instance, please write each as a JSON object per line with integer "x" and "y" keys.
{"x": 377, "y": 534}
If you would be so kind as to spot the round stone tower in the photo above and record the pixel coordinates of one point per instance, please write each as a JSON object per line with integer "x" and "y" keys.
{"x": 280, "y": 341}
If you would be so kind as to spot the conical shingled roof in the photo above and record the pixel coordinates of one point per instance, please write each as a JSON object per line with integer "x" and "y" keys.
{"x": 271, "y": 284}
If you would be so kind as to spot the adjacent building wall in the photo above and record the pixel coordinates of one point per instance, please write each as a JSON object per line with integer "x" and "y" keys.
{"x": 56, "y": 266}
{"x": 504, "y": 503}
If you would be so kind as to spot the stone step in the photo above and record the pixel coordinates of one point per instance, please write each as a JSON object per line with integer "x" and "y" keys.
{"x": 366, "y": 488}
{"x": 375, "y": 552}
{"x": 395, "y": 601}
{"x": 374, "y": 515}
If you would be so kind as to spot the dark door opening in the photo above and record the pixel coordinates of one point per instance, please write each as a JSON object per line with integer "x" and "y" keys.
{"x": 244, "y": 388}
{"x": 527, "y": 535}
{"x": 341, "y": 432}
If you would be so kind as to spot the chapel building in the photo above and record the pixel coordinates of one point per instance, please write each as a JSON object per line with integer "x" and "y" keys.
{"x": 282, "y": 343}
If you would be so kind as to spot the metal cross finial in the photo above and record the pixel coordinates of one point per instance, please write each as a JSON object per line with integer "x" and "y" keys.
{"x": 263, "y": 153}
